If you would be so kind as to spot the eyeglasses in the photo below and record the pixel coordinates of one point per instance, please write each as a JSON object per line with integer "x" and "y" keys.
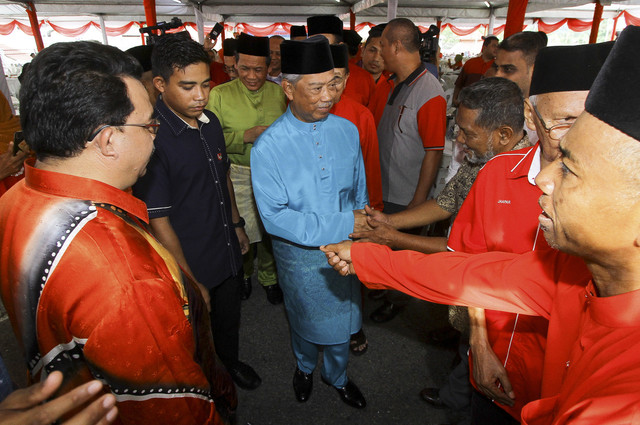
{"x": 151, "y": 127}
{"x": 557, "y": 131}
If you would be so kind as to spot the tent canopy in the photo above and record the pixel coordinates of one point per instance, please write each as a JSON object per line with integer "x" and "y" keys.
{"x": 296, "y": 11}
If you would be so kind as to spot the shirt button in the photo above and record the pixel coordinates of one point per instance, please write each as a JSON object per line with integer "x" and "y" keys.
{"x": 221, "y": 203}
{"x": 320, "y": 156}
{"x": 322, "y": 168}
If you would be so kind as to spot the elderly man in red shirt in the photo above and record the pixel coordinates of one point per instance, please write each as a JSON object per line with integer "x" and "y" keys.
{"x": 590, "y": 209}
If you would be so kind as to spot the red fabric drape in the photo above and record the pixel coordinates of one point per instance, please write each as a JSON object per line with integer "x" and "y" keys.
{"x": 6, "y": 29}
{"x": 515, "y": 17}
{"x": 549, "y": 28}
{"x": 281, "y": 27}
{"x": 630, "y": 19}
{"x": 578, "y": 26}
{"x": 499, "y": 29}
{"x": 361, "y": 25}
{"x": 462, "y": 31}
{"x": 70, "y": 32}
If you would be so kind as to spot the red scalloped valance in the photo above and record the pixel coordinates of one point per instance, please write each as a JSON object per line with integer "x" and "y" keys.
{"x": 284, "y": 28}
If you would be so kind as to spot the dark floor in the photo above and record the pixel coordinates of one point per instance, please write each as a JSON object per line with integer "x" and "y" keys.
{"x": 398, "y": 364}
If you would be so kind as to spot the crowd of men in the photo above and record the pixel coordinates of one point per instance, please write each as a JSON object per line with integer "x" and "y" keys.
{"x": 159, "y": 178}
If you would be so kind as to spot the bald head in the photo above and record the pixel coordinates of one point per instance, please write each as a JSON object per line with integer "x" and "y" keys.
{"x": 403, "y": 30}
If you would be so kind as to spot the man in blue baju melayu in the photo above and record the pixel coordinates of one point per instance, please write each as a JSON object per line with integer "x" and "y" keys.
{"x": 309, "y": 183}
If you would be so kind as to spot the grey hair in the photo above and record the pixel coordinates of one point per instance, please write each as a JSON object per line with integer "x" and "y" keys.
{"x": 499, "y": 100}
{"x": 292, "y": 78}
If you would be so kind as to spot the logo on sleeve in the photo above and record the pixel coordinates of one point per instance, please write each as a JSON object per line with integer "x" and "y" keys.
{"x": 504, "y": 201}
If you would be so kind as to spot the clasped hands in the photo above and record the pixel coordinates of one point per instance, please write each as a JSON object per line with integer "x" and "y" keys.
{"x": 374, "y": 226}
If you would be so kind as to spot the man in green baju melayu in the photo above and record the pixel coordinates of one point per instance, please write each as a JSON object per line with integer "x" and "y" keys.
{"x": 245, "y": 107}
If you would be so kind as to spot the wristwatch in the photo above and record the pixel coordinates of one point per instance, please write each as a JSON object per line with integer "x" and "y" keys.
{"x": 241, "y": 223}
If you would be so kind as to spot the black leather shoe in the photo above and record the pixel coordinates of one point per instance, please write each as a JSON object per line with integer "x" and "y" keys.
{"x": 246, "y": 288}
{"x": 444, "y": 335}
{"x": 350, "y": 394}
{"x": 432, "y": 396}
{"x": 244, "y": 376}
{"x": 302, "y": 385}
{"x": 274, "y": 294}
{"x": 385, "y": 312}
{"x": 377, "y": 294}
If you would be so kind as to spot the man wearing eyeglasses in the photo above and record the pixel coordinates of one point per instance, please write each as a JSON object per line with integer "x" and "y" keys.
{"x": 89, "y": 291}
{"x": 189, "y": 194}
{"x": 501, "y": 214}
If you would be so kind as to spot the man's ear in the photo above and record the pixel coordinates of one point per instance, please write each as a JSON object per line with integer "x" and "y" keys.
{"x": 505, "y": 133}
{"x": 288, "y": 89}
{"x": 159, "y": 83}
{"x": 104, "y": 142}
{"x": 528, "y": 115}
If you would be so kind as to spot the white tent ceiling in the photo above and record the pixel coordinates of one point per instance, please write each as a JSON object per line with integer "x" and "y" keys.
{"x": 296, "y": 11}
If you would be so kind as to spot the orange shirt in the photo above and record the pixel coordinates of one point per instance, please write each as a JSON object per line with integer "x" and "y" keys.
{"x": 360, "y": 85}
{"x": 363, "y": 119}
{"x": 384, "y": 86}
{"x": 472, "y": 71}
{"x": 90, "y": 292}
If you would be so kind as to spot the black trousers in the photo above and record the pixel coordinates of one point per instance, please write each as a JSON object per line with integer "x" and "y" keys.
{"x": 225, "y": 318}
{"x": 485, "y": 412}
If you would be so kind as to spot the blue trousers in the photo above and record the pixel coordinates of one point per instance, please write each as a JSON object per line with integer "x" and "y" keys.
{"x": 334, "y": 360}
{"x": 6, "y": 385}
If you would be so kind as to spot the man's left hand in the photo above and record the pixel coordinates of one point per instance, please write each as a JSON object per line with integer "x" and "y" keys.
{"x": 243, "y": 239}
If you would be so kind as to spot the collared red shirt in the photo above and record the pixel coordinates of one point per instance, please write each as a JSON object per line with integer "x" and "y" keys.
{"x": 186, "y": 181}
{"x": 501, "y": 214}
{"x": 591, "y": 373}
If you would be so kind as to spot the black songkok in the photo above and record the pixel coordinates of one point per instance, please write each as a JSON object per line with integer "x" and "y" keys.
{"x": 340, "y": 55}
{"x": 253, "y": 46}
{"x": 615, "y": 94}
{"x": 229, "y": 47}
{"x": 352, "y": 38}
{"x": 324, "y": 24}
{"x": 377, "y": 30}
{"x": 142, "y": 55}
{"x": 310, "y": 56}
{"x": 297, "y": 31}
{"x": 568, "y": 68}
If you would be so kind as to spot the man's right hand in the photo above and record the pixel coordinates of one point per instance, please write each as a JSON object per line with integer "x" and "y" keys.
{"x": 339, "y": 257}
{"x": 253, "y": 133}
{"x": 23, "y": 406}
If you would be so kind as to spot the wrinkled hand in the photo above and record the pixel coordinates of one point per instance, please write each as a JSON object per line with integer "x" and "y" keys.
{"x": 10, "y": 164}
{"x": 23, "y": 406}
{"x": 491, "y": 377}
{"x": 253, "y": 133}
{"x": 243, "y": 239}
{"x": 205, "y": 294}
{"x": 377, "y": 215}
{"x": 380, "y": 233}
{"x": 339, "y": 257}
{"x": 360, "y": 223}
